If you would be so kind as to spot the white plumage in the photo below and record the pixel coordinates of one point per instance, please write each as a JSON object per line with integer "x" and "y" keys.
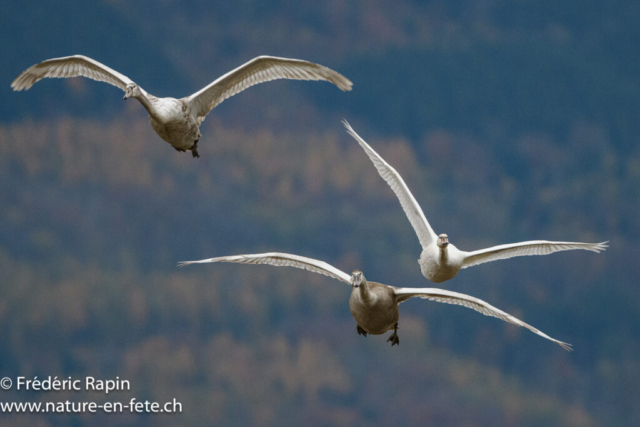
{"x": 177, "y": 121}
{"x": 440, "y": 260}
{"x": 279, "y": 259}
{"x": 373, "y": 305}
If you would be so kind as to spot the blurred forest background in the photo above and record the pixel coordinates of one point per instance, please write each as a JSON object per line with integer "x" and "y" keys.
{"x": 509, "y": 120}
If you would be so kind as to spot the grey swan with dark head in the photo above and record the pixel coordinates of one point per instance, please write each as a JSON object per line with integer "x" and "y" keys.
{"x": 177, "y": 121}
{"x": 374, "y": 306}
{"x": 440, "y": 260}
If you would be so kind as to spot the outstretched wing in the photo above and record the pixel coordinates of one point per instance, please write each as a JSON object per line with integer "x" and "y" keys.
{"x": 411, "y": 207}
{"x": 70, "y": 66}
{"x": 280, "y": 259}
{"x": 533, "y": 247}
{"x": 473, "y": 303}
{"x": 258, "y": 70}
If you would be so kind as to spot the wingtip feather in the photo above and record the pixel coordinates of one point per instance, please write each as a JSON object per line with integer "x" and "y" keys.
{"x": 568, "y": 347}
{"x": 350, "y": 131}
{"x": 18, "y": 84}
{"x": 345, "y": 85}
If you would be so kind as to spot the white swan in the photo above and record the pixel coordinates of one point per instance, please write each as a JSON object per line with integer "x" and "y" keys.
{"x": 440, "y": 260}
{"x": 177, "y": 121}
{"x": 374, "y": 306}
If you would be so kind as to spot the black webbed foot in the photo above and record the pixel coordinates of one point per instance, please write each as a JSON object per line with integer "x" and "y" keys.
{"x": 361, "y": 331}
{"x": 179, "y": 150}
{"x": 394, "y": 339}
{"x": 194, "y": 150}
{"x": 394, "y": 336}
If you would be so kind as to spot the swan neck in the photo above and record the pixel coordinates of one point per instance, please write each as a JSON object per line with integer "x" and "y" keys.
{"x": 364, "y": 291}
{"x": 144, "y": 99}
{"x": 444, "y": 254}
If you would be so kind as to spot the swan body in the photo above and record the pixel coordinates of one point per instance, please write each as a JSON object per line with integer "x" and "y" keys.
{"x": 441, "y": 260}
{"x": 174, "y": 122}
{"x": 440, "y": 265}
{"x": 177, "y": 121}
{"x": 374, "y": 306}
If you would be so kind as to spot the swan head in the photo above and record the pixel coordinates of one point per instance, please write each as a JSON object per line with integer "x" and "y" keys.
{"x": 443, "y": 241}
{"x": 132, "y": 90}
{"x": 357, "y": 278}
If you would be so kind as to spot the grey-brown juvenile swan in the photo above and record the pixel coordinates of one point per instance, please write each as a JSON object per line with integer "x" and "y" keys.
{"x": 177, "y": 121}
{"x": 441, "y": 260}
{"x": 374, "y": 306}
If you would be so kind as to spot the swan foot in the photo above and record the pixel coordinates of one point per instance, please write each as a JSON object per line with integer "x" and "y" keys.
{"x": 361, "y": 331}
{"x": 179, "y": 150}
{"x": 194, "y": 150}
{"x": 394, "y": 336}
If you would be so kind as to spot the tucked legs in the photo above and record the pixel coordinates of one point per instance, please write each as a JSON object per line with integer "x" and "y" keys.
{"x": 194, "y": 149}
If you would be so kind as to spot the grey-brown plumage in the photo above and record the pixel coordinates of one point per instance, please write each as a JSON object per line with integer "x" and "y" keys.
{"x": 374, "y": 306}
{"x": 177, "y": 121}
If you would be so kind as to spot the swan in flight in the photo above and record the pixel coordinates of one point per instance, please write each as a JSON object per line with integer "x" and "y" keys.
{"x": 177, "y": 121}
{"x": 374, "y": 306}
{"x": 441, "y": 260}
